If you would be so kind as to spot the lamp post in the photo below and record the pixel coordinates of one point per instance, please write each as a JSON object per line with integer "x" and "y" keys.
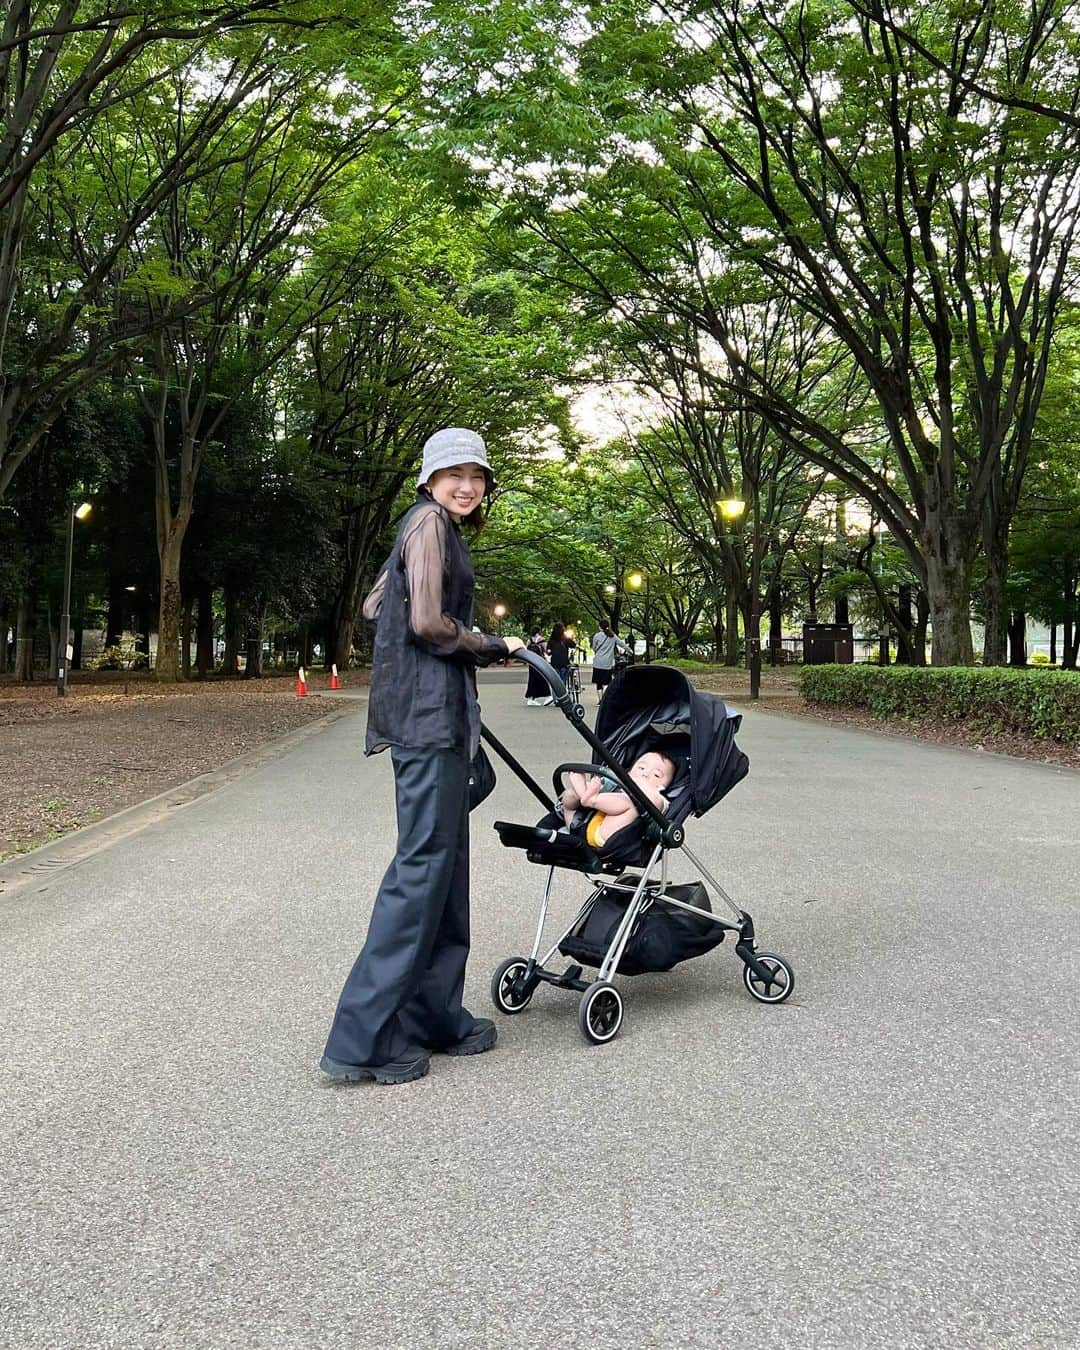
{"x": 732, "y": 510}
{"x": 79, "y": 511}
{"x": 635, "y": 581}
{"x": 500, "y": 613}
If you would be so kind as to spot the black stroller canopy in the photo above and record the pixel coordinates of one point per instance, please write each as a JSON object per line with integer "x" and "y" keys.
{"x": 656, "y": 707}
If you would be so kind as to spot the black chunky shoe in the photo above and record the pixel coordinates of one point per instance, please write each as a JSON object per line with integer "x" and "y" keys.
{"x": 482, "y": 1037}
{"x": 404, "y": 1070}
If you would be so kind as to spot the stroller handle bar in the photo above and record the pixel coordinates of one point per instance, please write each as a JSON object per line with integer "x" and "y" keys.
{"x": 575, "y": 713}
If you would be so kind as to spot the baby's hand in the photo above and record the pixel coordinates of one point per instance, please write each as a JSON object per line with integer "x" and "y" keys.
{"x": 592, "y": 790}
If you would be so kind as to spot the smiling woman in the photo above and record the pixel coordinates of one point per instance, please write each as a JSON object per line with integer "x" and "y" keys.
{"x": 402, "y": 999}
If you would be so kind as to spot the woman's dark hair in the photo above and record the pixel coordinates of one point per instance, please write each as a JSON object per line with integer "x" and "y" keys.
{"x": 558, "y": 633}
{"x": 605, "y": 627}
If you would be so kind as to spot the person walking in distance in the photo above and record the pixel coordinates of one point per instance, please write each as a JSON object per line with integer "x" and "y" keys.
{"x": 559, "y": 648}
{"x": 606, "y": 646}
{"x": 537, "y": 691}
{"x": 403, "y": 997}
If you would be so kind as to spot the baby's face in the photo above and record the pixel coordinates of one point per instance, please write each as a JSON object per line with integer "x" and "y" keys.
{"x": 653, "y": 768}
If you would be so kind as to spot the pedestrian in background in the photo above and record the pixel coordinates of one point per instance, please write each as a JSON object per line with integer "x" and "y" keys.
{"x": 537, "y": 691}
{"x": 402, "y": 999}
{"x": 606, "y": 647}
{"x": 559, "y": 648}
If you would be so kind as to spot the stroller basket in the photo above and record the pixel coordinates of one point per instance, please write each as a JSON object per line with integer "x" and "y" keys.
{"x": 662, "y": 935}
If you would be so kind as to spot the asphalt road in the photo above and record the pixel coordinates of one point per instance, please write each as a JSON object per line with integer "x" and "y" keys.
{"x": 888, "y": 1160}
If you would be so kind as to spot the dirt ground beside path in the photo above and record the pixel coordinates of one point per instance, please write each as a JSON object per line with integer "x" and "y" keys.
{"x": 72, "y": 761}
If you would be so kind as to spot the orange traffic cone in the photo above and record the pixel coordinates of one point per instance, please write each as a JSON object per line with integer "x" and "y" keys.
{"x": 335, "y": 683}
{"x": 301, "y": 683}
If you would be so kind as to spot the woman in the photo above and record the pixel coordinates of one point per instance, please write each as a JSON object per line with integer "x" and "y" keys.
{"x": 537, "y": 690}
{"x": 607, "y": 647}
{"x": 402, "y": 999}
{"x": 559, "y": 649}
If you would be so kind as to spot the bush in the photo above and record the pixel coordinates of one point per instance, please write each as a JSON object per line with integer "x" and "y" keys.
{"x": 1045, "y": 705}
{"x": 121, "y": 657}
{"x": 1039, "y": 659}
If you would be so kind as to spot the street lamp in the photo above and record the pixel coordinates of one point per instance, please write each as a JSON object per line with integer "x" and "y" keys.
{"x": 636, "y": 580}
{"x": 732, "y": 510}
{"x": 79, "y": 511}
{"x": 500, "y": 613}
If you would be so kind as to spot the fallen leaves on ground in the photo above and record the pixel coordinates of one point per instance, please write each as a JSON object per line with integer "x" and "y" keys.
{"x": 67, "y": 762}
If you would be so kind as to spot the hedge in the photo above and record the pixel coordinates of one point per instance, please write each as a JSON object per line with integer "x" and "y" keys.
{"x": 1040, "y": 703}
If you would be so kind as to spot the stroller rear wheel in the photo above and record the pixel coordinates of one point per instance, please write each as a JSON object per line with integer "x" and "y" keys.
{"x": 600, "y": 1012}
{"x": 777, "y": 987}
{"x": 509, "y": 991}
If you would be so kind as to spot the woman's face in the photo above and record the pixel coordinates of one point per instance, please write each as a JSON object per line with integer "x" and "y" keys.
{"x": 460, "y": 489}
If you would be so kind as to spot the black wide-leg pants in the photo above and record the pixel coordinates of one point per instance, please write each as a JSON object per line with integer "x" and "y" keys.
{"x": 404, "y": 992}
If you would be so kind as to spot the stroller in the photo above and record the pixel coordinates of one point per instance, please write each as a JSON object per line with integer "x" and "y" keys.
{"x": 634, "y": 920}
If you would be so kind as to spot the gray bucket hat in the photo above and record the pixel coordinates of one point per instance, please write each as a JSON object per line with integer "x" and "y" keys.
{"x": 454, "y": 445}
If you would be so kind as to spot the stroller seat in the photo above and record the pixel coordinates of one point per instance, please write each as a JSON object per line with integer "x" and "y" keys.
{"x": 550, "y": 843}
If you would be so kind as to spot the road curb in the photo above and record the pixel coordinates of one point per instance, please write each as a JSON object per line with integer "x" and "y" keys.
{"x": 41, "y": 864}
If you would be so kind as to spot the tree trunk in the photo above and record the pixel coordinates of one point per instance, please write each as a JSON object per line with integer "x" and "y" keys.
{"x": 1068, "y": 648}
{"x": 731, "y": 646}
{"x": 998, "y": 620}
{"x": 776, "y": 629}
{"x": 168, "y": 645}
{"x": 232, "y": 633}
{"x": 948, "y": 590}
{"x": 253, "y": 652}
{"x": 76, "y": 642}
{"x": 1017, "y": 638}
{"x": 185, "y": 638}
{"x": 204, "y": 632}
{"x": 253, "y": 666}
{"x": 24, "y": 639}
{"x": 339, "y": 640}
{"x": 3, "y": 639}
{"x": 843, "y": 610}
{"x": 1053, "y": 644}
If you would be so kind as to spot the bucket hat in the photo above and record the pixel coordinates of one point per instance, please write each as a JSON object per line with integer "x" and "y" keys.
{"x": 454, "y": 445}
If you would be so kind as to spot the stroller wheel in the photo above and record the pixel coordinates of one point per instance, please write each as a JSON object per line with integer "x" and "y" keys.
{"x": 508, "y": 992}
{"x": 600, "y": 1012}
{"x": 779, "y": 984}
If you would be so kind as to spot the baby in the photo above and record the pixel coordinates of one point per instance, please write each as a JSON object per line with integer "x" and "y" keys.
{"x": 612, "y": 808}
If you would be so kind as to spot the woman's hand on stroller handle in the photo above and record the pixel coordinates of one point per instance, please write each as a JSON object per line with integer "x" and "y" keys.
{"x": 513, "y": 644}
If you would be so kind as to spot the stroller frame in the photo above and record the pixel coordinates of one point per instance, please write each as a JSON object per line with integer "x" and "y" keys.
{"x": 768, "y": 977}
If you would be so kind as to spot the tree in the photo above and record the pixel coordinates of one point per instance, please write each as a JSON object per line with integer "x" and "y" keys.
{"x": 64, "y": 69}
{"x": 695, "y": 153}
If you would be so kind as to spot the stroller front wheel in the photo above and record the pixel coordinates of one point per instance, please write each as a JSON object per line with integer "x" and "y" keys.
{"x": 509, "y": 992}
{"x": 777, "y": 987}
{"x": 600, "y": 1012}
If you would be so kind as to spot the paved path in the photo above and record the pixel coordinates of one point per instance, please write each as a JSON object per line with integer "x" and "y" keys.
{"x": 888, "y": 1160}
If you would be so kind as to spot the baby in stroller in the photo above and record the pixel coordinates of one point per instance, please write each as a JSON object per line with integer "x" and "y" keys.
{"x": 611, "y": 809}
